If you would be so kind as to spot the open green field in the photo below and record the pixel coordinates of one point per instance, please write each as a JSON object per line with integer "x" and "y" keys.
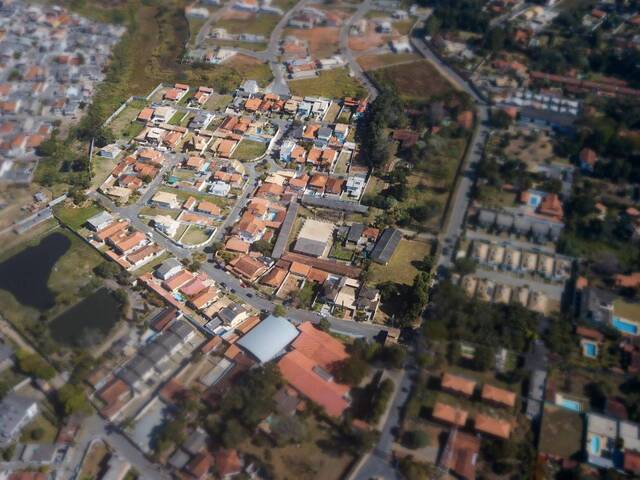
{"x": 75, "y": 217}
{"x": 402, "y": 267}
{"x": 122, "y": 125}
{"x": 249, "y": 150}
{"x": 70, "y": 279}
{"x": 417, "y": 82}
{"x": 260, "y": 24}
{"x": 218, "y": 102}
{"x": 334, "y": 83}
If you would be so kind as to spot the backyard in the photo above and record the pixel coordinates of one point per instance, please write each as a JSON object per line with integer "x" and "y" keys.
{"x": 194, "y": 235}
{"x": 334, "y": 83}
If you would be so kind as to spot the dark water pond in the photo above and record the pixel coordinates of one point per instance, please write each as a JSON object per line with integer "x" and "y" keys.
{"x": 26, "y": 274}
{"x": 87, "y": 322}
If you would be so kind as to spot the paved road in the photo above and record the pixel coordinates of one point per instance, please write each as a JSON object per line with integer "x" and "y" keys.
{"x": 348, "y": 55}
{"x": 378, "y": 462}
{"x": 95, "y": 428}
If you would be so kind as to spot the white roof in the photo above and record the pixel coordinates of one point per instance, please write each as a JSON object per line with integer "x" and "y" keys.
{"x": 270, "y": 337}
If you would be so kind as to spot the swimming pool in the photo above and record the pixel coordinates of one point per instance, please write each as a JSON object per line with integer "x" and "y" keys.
{"x": 179, "y": 297}
{"x": 590, "y": 350}
{"x": 594, "y": 445}
{"x": 534, "y": 198}
{"x": 571, "y": 405}
{"x": 625, "y": 327}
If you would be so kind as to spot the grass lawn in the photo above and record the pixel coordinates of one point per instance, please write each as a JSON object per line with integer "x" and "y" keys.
{"x": 253, "y": 46}
{"x": 249, "y": 150}
{"x": 561, "y": 432}
{"x": 94, "y": 461}
{"x": 184, "y": 195}
{"x": 177, "y": 117}
{"x": 101, "y": 169}
{"x": 72, "y": 272}
{"x": 493, "y": 197}
{"x": 150, "y": 267}
{"x": 194, "y": 235}
{"x": 75, "y": 217}
{"x": 403, "y": 27}
{"x": 121, "y": 124}
{"x": 373, "y": 62}
{"x": 195, "y": 24}
{"x": 402, "y": 266}
{"x": 417, "y": 82}
{"x": 340, "y": 252}
{"x": 260, "y": 24}
{"x": 249, "y": 68}
{"x": 334, "y": 83}
{"x": 153, "y": 211}
{"x": 218, "y": 102}
{"x": 40, "y": 430}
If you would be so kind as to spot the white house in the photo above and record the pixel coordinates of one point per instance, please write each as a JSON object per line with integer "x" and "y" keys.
{"x": 355, "y": 186}
{"x": 166, "y": 225}
{"x": 16, "y": 411}
{"x": 220, "y": 189}
{"x": 110, "y": 151}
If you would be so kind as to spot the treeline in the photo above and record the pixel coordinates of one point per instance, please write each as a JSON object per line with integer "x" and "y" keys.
{"x": 453, "y": 316}
{"x": 386, "y": 111}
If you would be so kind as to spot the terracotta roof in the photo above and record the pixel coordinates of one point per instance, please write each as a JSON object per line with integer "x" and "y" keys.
{"x": 632, "y": 461}
{"x": 113, "y": 391}
{"x": 212, "y": 344}
{"x": 248, "y": 324}
{"x": 317, "y": 275}
{"x": 178, "y": 280}
{"x": 590, "y": 333}
{"x": 319, "y": 346}
{"x": 498, "y": 395}
{"x": 458, "y": 384}
{"x": 235, "y": 244}
{"x": 632, "y": 280}
{"x": 274, "y": 277}
{"x": 492, "y": 426}
{"x": 588, "y": 156}
{"x": 448, "y": 414}
{"x": 200, "y": 465}
{"x": 551, "y": 206}
{"x": 301, "y": 373}
{"x": 247, "y": 267}
{"x": 208, "y": 207}
{"x": 301, "y": 269}
{"x": 464, "y": 455}
{"x": 228, "y": 462}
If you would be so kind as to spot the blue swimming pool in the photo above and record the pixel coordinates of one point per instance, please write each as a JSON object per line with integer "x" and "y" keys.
{"x": 179, "y": 297}
{"x": 624, "y": 327}
{"x": 591, "y": 350}
{"x": 571, "y": 405}
{"x": 595, "y": 445}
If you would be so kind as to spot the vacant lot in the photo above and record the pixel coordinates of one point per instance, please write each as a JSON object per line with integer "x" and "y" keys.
{"x": 194, "y": 236}
{"x": 124, "y": 124}
{"x": 330, "y": 83}
{"x": 373, "y": 62}
{"x": 402, "y": 267}
{"x": 249, "y": 150}
{"x": 322, "y": 41}
{"x": 417, "y": 82}
{"x": 319, "y": 457}
{"x": 256, "y": 24}
{"x": 250, "y": 68}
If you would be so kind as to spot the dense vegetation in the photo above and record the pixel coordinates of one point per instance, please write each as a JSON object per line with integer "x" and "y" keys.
{"x": 454, "y": 316}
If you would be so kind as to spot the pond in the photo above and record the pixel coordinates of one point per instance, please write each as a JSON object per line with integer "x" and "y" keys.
{"x": 26, "y": 274}
{"x": 87, "y": 322}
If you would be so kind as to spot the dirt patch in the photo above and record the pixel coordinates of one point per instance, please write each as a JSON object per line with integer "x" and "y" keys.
{"x": 235, "y": 15}
{"x": 322, "y": 41}
{"x": 373, "y": 62}
{"x": 369, "y": 40}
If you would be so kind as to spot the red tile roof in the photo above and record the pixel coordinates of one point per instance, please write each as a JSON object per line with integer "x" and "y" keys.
{"x": 301, "y": 373}
{"x": 498, "y": 395}
{"x": 458, "y": 384}
{"x": 492, "y": 426}
{"x": 319, "y": 346}
{"x": 448, "y": 414}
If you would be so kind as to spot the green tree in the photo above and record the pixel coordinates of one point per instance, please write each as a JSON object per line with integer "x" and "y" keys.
{"x": 415, "y": 439}
{"x": 262, "y": 246}
{"x": 107, "y": 269}
{"x": 279, "y": 311}
{"x": 73, "y": 400}
{"x": 352, "y": 370}
{"x": 484, "y": 358}
{"x": 32, "y": 365}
